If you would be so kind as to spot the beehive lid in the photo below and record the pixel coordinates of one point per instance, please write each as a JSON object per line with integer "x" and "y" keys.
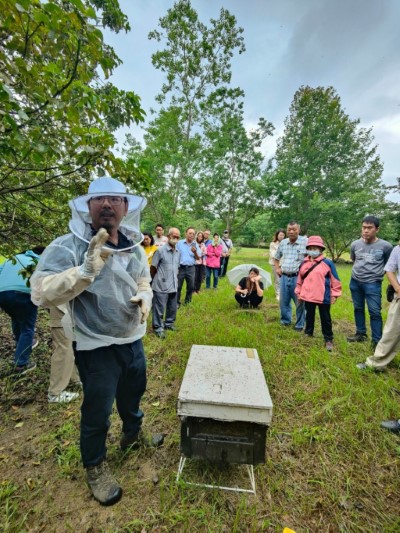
{"x": 226, "y": 384}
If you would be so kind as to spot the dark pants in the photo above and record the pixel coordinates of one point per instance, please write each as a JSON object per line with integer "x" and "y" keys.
{"x": 214, "y": 272}
{"x": 245, "y": 300}
{"x": 164, "y": 302}
{"x": 186, "y": 273}
{"x": 108, "y": 373}
{"x": 23, "y": 313}
{"x": 224, "y": 266}
{"x": 325, "y": 316}
{"x": 199, "y": 277}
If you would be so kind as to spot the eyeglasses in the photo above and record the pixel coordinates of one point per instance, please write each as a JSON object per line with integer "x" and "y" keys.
{"x": 114, "y": 200}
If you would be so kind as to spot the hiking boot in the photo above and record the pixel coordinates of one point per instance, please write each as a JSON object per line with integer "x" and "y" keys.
{"x": 104, "y": 487}
{"x": 63, "y": 397}
{"x": 133, "y": 442}
{"x": 24, "y": 369}
{"x": 329, "y": 346}
{"x": 358, "y": 337}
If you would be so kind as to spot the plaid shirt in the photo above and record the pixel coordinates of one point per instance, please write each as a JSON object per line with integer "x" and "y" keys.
{"x": 291, "y": 255}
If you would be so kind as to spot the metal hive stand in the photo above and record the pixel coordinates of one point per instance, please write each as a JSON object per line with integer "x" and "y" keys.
{"x": 250, "y": 471}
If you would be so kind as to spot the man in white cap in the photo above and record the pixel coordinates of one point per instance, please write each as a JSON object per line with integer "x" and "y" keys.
{"x": 102, "y": 275}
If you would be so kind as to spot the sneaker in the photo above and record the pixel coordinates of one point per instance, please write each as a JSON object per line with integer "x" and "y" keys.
{"x": 139, "y": 440}
{"x": 391, "y": 425}
{"x": 160, "y": 334}
{"x": 63, "y": 397}
{"x": 103, "y": 485}
{"x": 171, "y": 328}
{"x": 35, "y": 343}
{"x": 358, "y": 337}
{"x": 329, "y": 346}
{"x": 24, "y": 369}
{"x": 364, "y": 366}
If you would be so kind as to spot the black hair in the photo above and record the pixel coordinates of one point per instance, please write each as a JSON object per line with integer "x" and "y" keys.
{"x": 197, "y": 234}
{"x": 38, "y": 250}
{"x": 148, "y": 234}
{"x": 216, "y": 234}
{"x": 277, "y": 232}
{"x": 158, "y": 226}
{"x": 372, "y": 220}
{"x": 255, "y": 270}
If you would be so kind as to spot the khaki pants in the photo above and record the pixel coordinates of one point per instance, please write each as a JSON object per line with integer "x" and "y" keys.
{"x": 62, "y": 367}
{"x": 389, "y": 345}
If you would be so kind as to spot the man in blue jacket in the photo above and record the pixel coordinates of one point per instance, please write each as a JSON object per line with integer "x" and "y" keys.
{"x": 15, "y": 300}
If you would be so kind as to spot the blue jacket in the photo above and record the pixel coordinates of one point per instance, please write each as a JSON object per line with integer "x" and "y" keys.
{"x": 10, "y": 280}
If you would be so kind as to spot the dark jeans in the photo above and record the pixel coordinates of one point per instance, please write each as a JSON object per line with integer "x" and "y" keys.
{"x": 372, "y": 294}
{"x": 252, "y": 299}
{"x": 324, "y": 315}
{"x": 215, "y": 272}
{"x": 164, "y": 302}
{"x": 108, "y": 373}
{"x": 199, "y": 276}
{"x": 186, "y": 273}
{"x": 23, "y": 313}
{"x": 224, "y": 266}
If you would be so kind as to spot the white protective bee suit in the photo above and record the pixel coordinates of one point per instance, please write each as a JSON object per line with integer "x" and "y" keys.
{"x": 100, "y": 312}
{"x": 106, "y": 288}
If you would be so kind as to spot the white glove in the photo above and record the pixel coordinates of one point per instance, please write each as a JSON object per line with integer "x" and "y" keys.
{"x": 143, "y": 298}
{"x": 144, "y": 308}
{"x": 95, "y": 257}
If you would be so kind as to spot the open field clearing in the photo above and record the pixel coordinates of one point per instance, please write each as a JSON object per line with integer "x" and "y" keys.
{"x": 329, "y": 466}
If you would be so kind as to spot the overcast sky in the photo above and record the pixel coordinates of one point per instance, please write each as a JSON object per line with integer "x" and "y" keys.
{"x": 353, "y": 45}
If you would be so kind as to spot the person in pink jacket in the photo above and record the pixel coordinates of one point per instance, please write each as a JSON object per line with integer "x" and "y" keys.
{"x": 318, "y": 285}
{"x": 213, "y": 261}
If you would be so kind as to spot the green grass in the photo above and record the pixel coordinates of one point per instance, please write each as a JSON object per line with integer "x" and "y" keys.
{"x": 329, "y": 466}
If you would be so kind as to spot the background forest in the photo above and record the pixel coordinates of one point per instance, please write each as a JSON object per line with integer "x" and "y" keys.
{"x": 198, "y": 164}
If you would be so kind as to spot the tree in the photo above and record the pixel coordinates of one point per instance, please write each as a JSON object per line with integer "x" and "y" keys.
{"x": 57, "y": 113}
{"x": 328, "y": 173}
{"x": 196, "y": 61}
{"x": 233, "y": 162}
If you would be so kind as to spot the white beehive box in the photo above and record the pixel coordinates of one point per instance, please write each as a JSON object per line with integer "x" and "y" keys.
{"x": 225, "y": 384}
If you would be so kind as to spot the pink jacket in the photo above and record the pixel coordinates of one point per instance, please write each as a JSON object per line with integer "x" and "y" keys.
{"x": 214, "y": 256}
{"x": 322, "y": 283}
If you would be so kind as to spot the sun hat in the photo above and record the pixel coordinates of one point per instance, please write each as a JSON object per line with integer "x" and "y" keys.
{"x": 107, "y": 186}
{"x": 315, "y": 240}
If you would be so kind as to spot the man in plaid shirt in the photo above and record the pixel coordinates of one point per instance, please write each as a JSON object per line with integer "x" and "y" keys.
{"x": 288, "y": 258}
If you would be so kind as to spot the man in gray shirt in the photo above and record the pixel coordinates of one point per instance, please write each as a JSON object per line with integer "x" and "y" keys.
{"x": 164, "y": 271}
{"x": 389, "y": 345}
{"x": 369, "y": 255}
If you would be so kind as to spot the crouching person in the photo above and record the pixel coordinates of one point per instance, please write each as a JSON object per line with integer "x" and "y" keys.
{"x": 101, "y": 274}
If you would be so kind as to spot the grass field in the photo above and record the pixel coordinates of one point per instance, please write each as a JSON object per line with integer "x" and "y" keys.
{"x": 329, "y": 467}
